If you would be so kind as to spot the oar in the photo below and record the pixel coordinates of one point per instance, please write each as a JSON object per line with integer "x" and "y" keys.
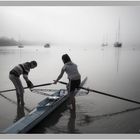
{"x": 106, "y": 94}
{"x": 47, "y": 84}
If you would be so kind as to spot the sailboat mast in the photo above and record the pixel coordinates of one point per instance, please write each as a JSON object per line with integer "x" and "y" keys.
{"x": 119, "y": 31}
{"x": 118, "y": 43}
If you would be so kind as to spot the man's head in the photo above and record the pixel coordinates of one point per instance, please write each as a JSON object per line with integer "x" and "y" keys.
{"x": 66, "y": 58}
{"x": 33, "y": 64}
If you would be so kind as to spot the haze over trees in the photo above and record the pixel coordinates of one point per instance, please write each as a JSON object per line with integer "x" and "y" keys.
{"x": 5, "y": 41}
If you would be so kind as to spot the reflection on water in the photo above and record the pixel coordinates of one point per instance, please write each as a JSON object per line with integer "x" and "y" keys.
{"x": 111, "y": 70}
{"x": 20, "y": 112}
{"x": 14, "y": 102}
{"x": 72, "y": 109}
{"x": 117, "y": 57}
{"x": 7, "y": 51}
{"x": 87, "y": 119}
{"x": 49, "y": 125}
{"x": 71, "y": 122}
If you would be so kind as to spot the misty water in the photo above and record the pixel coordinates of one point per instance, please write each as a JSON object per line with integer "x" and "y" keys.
{"x": 111, "y": 70}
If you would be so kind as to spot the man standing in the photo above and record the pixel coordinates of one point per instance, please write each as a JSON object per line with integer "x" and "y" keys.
{"x": 14, "y": 76}
{"x": 74, "y": 77}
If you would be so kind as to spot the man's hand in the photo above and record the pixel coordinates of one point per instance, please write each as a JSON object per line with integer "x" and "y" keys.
{"x": 30, "y": 84}
{"x": 55, "y": 82}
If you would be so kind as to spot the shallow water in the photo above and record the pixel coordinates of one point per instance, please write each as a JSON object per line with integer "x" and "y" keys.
{"x": 112, "y": 70}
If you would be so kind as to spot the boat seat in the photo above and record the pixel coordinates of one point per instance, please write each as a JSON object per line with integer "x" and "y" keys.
{"x": 53, "y": 97}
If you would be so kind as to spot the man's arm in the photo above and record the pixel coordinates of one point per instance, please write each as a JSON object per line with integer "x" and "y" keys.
{"x": 29, "y": 83}
{"x": 25, "y": 76}
{"x": 59, "y": 77}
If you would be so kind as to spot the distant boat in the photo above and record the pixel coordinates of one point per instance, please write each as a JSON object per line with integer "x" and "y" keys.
{"x": 105, "y": 42}
{"x": 20, "y": 46}
{"x": 118, "y": 43}
{"x": 47, "y": 45}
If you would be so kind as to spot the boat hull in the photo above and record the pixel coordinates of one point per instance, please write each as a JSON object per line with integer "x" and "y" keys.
{"x": 39, "y": 113}
{"x": 43, "y": 109}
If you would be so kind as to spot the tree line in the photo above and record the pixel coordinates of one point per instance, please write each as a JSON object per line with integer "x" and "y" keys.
{"x": 4, "y": 41}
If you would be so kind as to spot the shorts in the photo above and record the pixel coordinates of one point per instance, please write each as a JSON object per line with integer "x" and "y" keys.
{"x": 74, "y": 84}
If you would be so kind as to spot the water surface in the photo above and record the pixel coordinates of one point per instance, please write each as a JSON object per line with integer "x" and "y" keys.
{"x": 112, "y": 70}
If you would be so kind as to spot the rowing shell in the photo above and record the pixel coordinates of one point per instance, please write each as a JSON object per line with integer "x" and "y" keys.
{"x": 43, "y": 109}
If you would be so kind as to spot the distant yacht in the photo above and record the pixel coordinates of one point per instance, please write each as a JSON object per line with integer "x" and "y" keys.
{"x": 20, "y": 46}
{"x": 118, "y": 43}
{"x": 105, "y": 42}
{"x": 47, "y": 45}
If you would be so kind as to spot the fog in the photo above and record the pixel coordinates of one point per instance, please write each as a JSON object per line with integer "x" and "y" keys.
{"x": 70, "y": 24}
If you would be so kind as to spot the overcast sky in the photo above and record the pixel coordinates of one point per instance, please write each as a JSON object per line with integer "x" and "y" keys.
{"x": 70, "y": 24}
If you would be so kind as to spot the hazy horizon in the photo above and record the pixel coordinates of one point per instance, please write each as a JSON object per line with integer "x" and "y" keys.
{"x": 71, "y": 24}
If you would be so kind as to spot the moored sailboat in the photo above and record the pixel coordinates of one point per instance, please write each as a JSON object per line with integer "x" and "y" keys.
{"x": 20, "y": 45}
{"x": 105, "y": 42}
{"x": 47, "y": 45}
{"x": 118, "y": 43}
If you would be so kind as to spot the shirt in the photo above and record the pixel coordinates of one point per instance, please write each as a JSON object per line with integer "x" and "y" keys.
{"x": 72, "y": 71}
{"x": 21, "y": 69}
